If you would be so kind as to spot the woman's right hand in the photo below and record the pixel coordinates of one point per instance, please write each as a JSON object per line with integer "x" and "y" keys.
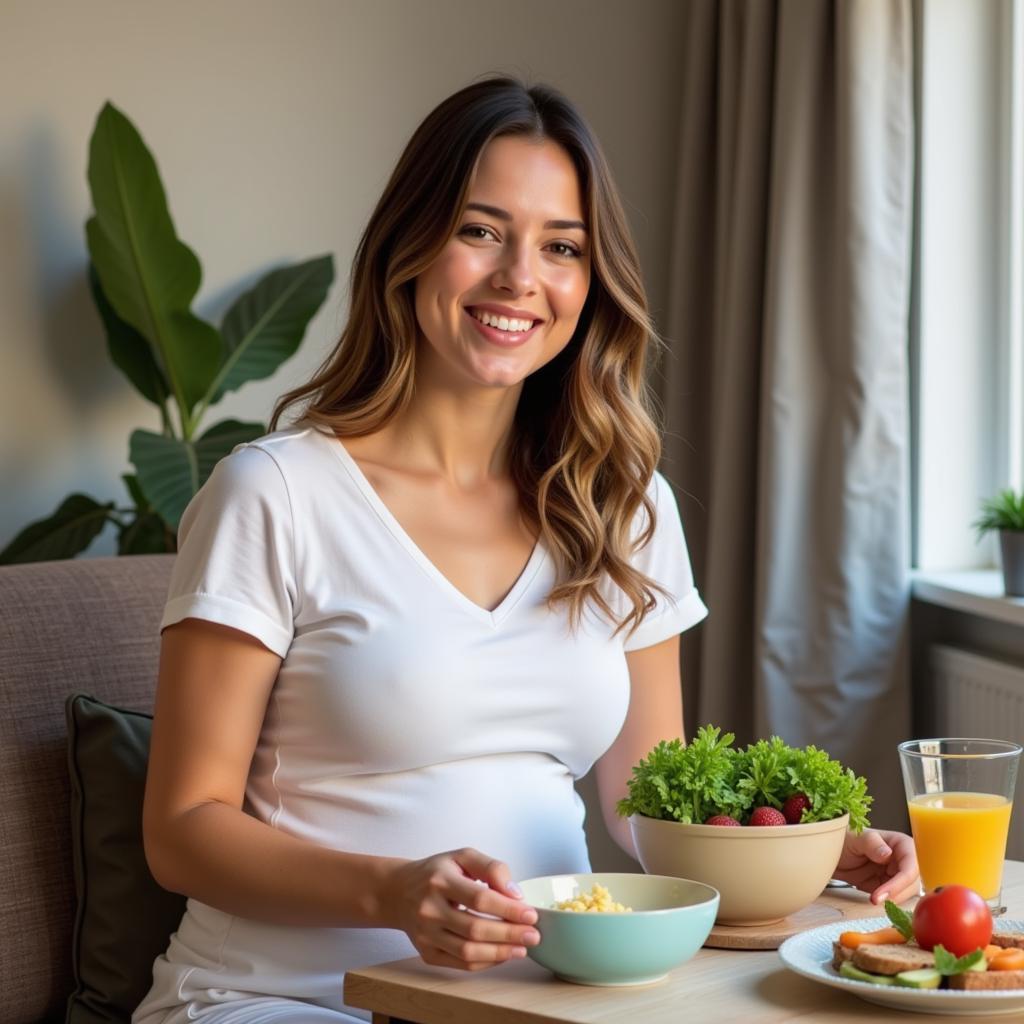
{"x": 438, "y": 901}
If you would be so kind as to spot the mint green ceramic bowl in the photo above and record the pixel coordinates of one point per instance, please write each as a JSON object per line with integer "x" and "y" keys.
{"x": 670, "y": 919}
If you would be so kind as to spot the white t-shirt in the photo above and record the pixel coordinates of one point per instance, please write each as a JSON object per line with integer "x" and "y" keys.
{"x": 406, "y": 720}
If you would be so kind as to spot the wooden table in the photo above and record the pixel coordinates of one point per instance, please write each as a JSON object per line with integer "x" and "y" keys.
{"x": 716, "y": 985}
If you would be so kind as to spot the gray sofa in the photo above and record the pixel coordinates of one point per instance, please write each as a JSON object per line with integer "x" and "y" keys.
{"x": 87, "y": 625}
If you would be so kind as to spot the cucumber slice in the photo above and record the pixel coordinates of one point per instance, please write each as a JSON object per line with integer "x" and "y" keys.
{"x": 926, "y": 977}
{"x": 847, "y": 970}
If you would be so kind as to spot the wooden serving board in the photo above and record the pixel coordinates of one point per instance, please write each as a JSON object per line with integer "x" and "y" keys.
{"x": 831, "y": 906}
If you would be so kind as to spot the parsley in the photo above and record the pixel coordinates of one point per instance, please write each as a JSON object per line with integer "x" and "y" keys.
{"x": 832, "y": 789}
{"x": 946, "y": 963}
{"x": 691, "y": 783}
{"x": 686, "y": 783}
{"x": 900, "y": 919}
{"x": 763, "y": 770}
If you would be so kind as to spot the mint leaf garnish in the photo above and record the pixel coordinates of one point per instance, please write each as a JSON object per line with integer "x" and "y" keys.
{"x": 944, "y": 960}
{"x": 946, "y": 963}
{"x": 900, "y": 919}
{"x": 966, "y": 962}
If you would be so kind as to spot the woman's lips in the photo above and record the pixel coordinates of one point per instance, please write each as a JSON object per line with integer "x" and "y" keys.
{"x": 506, "y": 339}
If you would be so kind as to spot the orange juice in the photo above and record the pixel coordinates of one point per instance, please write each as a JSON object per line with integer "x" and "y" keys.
{"x": 961, "y": 839}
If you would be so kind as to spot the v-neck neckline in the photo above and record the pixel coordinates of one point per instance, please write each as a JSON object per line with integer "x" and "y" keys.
{"x": 492, "y": 616}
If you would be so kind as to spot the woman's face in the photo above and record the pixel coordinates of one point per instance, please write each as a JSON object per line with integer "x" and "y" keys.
{"x": 520, "y": 253}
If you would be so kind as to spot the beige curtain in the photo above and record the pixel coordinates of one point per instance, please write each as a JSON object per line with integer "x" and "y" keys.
{"x": 786, "y": 387}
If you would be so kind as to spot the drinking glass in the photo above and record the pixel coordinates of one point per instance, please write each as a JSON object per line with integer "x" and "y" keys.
{"x": 959, "y": 797}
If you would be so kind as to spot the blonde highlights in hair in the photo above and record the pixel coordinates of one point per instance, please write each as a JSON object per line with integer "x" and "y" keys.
{"x": 585, "y": 445}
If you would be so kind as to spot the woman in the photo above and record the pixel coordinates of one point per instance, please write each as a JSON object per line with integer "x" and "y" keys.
{"x": 398, "y": 630}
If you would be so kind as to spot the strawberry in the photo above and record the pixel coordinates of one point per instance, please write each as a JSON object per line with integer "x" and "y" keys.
{"x": 793, "y": 808}
{"x": 721, "y": 819}
{"x": 767, "y": 816}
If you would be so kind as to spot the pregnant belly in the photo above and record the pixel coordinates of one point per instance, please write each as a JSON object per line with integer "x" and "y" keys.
{"x": 520, "y": 808}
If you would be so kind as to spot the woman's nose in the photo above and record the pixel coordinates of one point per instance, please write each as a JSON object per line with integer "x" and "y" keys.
{"x": 516, "y": 273}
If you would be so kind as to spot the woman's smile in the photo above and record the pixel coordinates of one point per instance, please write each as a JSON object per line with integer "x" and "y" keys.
{"x": 507, "y": 336}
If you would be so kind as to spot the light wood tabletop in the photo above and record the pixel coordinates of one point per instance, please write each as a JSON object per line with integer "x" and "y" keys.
{"x": 748, "y": 987}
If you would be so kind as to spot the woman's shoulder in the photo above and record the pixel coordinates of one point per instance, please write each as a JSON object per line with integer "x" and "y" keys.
{"x": 266, "y": 470}
{"x": 659, "y": 489}
{"x": 285, "y": 452}
{"x": 662, "y": 497}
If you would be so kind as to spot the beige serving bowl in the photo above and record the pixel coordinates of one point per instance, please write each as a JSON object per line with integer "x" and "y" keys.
{"x": 763, "y": 873}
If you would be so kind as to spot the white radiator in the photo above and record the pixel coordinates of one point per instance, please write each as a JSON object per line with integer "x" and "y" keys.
{"x": 975, "y": 696}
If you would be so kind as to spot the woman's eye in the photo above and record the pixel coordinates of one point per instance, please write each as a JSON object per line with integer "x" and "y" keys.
{"x": 569, "y": 250}
{"x": 470, "y": 231}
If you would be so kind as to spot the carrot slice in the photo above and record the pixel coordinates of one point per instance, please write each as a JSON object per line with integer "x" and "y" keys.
{"x": 884, "y": 936}
{"x": 1008, "y": 960}
{"x": 992, "y": 951}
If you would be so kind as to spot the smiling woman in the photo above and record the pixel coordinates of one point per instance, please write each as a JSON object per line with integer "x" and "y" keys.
{"x": 503, "y": 203}
{"x": 400, "y": 628}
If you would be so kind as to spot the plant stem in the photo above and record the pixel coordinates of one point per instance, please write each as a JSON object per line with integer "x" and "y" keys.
{"x": 165, "y": 419}
{"x": 199, "y": 411}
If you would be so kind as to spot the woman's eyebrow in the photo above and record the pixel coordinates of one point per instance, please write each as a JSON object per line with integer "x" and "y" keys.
{"x": 497, "y": 211}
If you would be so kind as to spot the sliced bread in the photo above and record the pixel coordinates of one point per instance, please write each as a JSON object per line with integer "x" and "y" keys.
{"x": 892, "y": 959}
{"x": 840, "y": 953}
{"x": 1008, "y": 940}
{"x": 991, "y": 981}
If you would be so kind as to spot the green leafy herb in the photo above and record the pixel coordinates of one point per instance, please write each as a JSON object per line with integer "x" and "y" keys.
{"x": 832, "y": 789}
{"x": 686, "y": 783}
{"x": 946, "y": 963}
{"x": 764, "y": 772}
{"x": 900, "y": 919}
{"x": 691, "y": 783}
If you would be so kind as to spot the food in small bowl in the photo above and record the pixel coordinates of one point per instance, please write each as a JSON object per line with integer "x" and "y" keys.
{"x": 597, "y": 901}
{"x": 764, "y": 826}
{"x": 668, "y": 921}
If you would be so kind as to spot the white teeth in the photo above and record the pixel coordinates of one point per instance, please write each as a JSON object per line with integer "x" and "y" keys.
{"x": 503, "y": 323}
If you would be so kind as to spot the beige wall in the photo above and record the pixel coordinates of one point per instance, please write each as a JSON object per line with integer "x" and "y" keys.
{"x": 274, "y": 125}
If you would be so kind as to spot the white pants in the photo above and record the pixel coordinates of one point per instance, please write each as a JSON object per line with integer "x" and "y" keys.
{"x": 260, "y": 1010}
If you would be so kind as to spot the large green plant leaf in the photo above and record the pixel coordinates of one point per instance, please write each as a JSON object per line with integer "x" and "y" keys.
{"x": 148, "y": 275}
{"x": 170, "y": 470}
{"x": 71, "y": 529}
{"x": 129, "y": 349}
{"x": 265, "y": 325}
{"x": 135, "y": 491}
{"x": 146, "y": 534}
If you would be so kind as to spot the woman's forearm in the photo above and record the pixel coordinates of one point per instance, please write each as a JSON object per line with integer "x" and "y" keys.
{"x": 619, "y": 830}
{"x": 232, "y": 861}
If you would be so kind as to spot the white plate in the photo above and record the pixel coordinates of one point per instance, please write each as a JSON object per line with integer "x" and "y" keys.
{"x": 810, "y": 954}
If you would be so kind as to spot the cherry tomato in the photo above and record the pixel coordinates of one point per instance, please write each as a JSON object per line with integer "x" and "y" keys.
{"x": 955, "y": 917}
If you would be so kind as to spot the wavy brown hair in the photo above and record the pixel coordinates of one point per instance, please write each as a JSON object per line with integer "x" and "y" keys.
{"x": 585, "y": 444}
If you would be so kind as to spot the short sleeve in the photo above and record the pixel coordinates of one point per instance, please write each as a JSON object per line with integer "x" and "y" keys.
{"x": 666, "y": 560}
{"x": 235, "y": 562}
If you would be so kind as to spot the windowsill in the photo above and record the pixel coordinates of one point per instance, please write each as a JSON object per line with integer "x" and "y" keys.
{"x": 977, "y": 592}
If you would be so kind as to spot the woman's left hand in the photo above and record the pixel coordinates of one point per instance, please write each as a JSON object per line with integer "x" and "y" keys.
{"x": 881, "y": 863}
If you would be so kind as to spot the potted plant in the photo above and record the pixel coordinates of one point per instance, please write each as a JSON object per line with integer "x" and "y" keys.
{"x": 143, "y": 280}
{"x": 1005, "y": 513}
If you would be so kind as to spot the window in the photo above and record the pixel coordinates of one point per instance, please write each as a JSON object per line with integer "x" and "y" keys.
{"x": 967, "y": 360}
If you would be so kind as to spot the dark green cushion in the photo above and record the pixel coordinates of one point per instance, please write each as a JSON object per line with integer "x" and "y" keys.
{"x": 124, "y": 919}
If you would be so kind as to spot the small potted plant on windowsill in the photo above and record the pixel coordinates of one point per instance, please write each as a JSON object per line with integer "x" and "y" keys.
{"x": 1005, "y": 513}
